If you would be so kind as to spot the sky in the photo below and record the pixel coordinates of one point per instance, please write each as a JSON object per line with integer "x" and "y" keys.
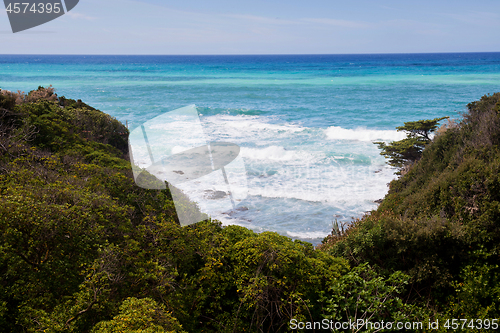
{"x": 262, "y": 27}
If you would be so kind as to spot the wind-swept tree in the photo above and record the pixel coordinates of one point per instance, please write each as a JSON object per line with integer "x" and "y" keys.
{"x": 408, "y": 150}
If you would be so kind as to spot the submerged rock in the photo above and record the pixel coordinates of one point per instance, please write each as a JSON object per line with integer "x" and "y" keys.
{"x": 214, "y": 195}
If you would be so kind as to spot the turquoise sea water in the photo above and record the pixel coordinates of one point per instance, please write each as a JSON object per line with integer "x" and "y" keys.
{"x": 305, "y": 123}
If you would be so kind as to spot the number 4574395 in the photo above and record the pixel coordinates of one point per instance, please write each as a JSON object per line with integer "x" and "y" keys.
{"x": 40, "y": 8}
{"x": 485, "y": 324}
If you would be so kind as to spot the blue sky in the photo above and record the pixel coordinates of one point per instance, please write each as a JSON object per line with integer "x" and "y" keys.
{"x": 263, "y": 27}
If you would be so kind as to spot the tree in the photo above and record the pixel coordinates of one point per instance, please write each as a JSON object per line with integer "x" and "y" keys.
{"x": 408, "y": 150}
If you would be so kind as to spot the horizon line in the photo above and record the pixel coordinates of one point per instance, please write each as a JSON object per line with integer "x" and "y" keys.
{"x": 242, "y": 54}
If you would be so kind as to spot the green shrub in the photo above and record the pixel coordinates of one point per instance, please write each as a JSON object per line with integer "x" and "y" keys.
{"x": 140, "y": 316}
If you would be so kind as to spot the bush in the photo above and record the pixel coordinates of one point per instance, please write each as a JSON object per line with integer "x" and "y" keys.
{"x": 140, "y": 316}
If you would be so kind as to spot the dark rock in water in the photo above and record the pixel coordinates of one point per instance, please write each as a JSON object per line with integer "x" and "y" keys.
{"x": 378, "y": 201}
{"x": 179, "y": 172}
{"x": 214, "y": 195}
{"x": 239, "y": 209}
{"x": 378, "y": 171}
{"x": 268, "y": 174}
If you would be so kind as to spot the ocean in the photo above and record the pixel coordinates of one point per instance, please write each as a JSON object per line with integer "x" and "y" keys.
{"x": 305, "y": 124}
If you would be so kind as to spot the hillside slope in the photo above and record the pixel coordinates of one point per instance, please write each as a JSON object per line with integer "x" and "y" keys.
{"x": 440, "y": 221}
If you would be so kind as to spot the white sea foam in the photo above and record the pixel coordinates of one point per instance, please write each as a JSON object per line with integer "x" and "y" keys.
{"x": 308, "y": 234}
{"x": 354, "y": 187}
{"x": 274, "y": 153}
{"x": 362, "y": 134}
{"x": 255, "y": 123}
{"x": 243, "y": 128}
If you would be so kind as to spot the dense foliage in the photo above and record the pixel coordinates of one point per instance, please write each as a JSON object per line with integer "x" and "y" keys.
{"x": 83, "y": 249}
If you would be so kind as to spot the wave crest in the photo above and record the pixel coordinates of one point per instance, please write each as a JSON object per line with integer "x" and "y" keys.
{"x": 362, "y": 134}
